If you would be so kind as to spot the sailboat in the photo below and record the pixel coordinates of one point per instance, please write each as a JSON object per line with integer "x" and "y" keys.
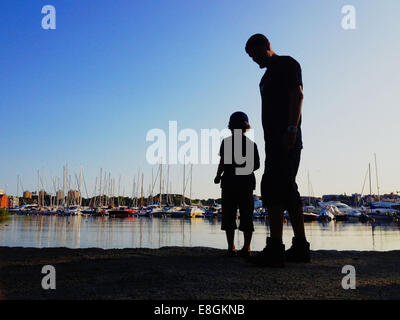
{"x": 378, "y": 210}
{"x": 193, "y": 211}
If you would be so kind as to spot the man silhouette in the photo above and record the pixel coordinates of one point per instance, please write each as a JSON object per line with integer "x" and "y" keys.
{"x": 281, "y": 90}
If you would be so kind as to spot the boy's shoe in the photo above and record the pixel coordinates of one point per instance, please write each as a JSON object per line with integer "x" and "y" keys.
{"x": 243, "y": 253}
{"x": 273, "y": 255}
{"x": 299, "y": 251}
{"x": 230, "y": 253}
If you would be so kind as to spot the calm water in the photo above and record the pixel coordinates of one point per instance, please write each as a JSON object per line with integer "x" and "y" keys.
{"x": 134, "y": 232}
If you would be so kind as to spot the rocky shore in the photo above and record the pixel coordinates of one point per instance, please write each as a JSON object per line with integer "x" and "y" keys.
{"x": 192, "y": 273}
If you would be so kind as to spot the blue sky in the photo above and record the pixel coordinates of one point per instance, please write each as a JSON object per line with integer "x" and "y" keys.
{"x": 88, "y": 92}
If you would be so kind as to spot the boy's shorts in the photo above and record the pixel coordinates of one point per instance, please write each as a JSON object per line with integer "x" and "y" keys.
{"x": 233, "y": 199}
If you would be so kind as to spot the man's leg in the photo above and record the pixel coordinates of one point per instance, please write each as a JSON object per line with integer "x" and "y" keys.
{"x": 297, "y": 221}
{"x": 273, "y": 254}
{"x": 247, "y": 240}
{"x": 296, "y": 207}
{"x": 300, "y": 249}
{"x": 275, "y": 217}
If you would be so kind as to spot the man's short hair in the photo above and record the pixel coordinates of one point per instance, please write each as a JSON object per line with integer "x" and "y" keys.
{"x": 257, "y": 39}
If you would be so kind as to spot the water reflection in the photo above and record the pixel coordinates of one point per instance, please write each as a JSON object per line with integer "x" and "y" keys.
{"x": 132, "y": 232}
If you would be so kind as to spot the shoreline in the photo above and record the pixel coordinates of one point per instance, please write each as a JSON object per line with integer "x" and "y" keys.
{"x": 193, "y": 273}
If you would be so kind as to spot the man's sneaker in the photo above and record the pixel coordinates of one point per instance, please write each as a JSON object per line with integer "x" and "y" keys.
{"x": 273, "y": 255}
{"x": 299, "y": 251}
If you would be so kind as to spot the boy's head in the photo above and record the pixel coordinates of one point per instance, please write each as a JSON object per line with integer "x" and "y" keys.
{"x": 239, "y": 120}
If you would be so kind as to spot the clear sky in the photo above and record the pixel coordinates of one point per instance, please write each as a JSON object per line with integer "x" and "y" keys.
{"x": 88, "y": 92}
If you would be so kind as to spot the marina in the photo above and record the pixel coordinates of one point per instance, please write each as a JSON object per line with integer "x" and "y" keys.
{"x": 42, "y": 231}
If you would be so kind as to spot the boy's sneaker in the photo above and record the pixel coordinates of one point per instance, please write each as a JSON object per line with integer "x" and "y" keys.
{"x": 299, "y": 251}
{"x": 273, "y": 255}
{"x": 230, "y": 253}
{"x": 243, "y": 253}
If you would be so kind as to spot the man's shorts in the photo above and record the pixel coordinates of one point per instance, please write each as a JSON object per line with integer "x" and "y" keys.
{"x": 278, "y": 184}
{"x": 233, "y": 199}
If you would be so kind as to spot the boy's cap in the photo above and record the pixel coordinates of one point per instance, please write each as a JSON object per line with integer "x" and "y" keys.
{"x": 239, "y": 120}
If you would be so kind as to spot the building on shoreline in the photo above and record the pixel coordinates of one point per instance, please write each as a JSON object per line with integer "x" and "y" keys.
{"x": 27, "y": 195}
{"x": 4, "y": 202}
{"x": 13, "y": 201}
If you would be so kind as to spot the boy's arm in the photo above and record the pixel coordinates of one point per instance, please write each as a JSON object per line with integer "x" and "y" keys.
{"x": 220, "y": 170}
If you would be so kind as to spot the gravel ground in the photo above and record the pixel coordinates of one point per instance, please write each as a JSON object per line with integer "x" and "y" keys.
{"x": 192, "y": 273}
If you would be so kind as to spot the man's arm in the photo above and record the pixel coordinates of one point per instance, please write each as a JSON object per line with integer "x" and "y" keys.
{"x": 296, "y": 103}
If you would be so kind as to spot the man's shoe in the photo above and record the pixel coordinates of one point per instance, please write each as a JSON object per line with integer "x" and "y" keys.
{"x": 273, "y": 255}
{"x": 299, "y": 251}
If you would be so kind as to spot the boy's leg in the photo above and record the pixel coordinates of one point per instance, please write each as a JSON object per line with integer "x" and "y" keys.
{"x": 230, "y": 237}
{"x": 228, "y": 223}
{"x": 246, "y": 209}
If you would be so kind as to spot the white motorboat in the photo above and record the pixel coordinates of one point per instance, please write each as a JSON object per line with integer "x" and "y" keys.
{"x": 194, "y": 212}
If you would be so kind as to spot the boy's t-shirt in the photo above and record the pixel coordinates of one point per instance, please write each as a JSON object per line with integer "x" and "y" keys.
{"x": 239, "y": 173}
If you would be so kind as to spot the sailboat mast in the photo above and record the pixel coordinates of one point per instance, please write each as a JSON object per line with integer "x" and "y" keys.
{"x": 17, "y": 186}
{"x": 137, "y": 189}
{"x": 80, "y": 188}
{"x": 160, "y": 183}
{"x": 100, "y": 190}
{"x": 167, "y": 189}
{"x": 190, "y": 192}
{"x": 64, "y": 185}
{"x": 377, "y": 181}
{"x": 141, "y": 195}
{"x": 133, "y": 191}
{"x": 370, "y": 187}
{"x": 38, "y": 187}
{"x": 183, "y": 186}
{"x": 309, "y": 194}
{"x": 119, "y": 189}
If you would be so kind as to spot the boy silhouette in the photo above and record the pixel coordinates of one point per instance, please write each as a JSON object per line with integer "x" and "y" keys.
{"x": 239, "y": 159}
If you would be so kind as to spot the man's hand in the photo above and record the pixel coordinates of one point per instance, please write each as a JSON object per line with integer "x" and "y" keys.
{"x": 289, "y": 141}
{"x": 217, "y": 179}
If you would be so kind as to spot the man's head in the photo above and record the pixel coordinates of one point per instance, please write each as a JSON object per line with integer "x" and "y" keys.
{"x": 259, "y": 49}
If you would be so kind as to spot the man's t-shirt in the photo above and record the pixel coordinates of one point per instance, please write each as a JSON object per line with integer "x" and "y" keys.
{"x": 233, "y": 178}
{"x": 283, "y": 74}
